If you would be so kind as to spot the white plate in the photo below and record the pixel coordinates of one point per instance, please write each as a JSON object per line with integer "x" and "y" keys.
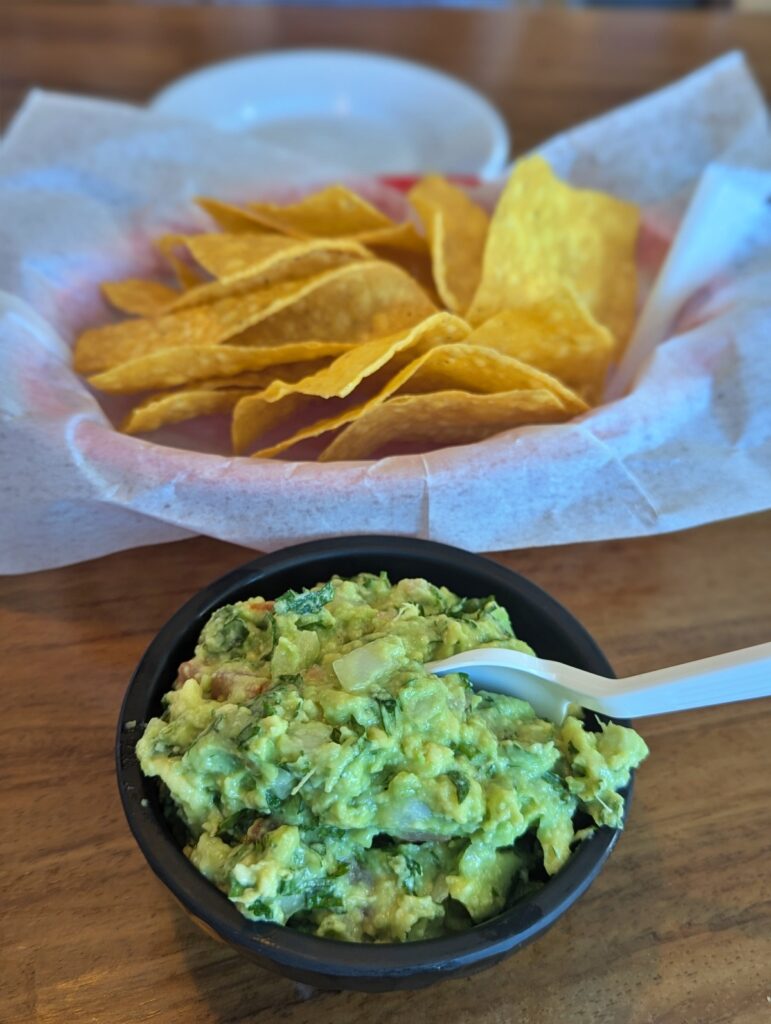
{"x": 371, "y": 113}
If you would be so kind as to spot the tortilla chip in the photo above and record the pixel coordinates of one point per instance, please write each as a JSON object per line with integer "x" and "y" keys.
{"x": 232, "y": 218}
{"x": 161, "y": 410}
{"x": 469, "y": 367}
{"x": 399, "y": 236}
{"x": 558, "y": 335}
{"x": 349, "y": 369}
{"x": 229, "y": 257}
{"x": 139, "y": 298}
{"x": 373, "y": 299}
{"x": 457, "y": 231}
{"x": 205, "y": 398}
{"x": 104, "y": 347}
{"x": 290, "y": 260}
{"x": 443, "y": 418}
{"x": 185, "y": 272}
{"x": 292, "y": 406}
{"x": 317, "y": 258}
{"x": 295, "y": 260}
{"x": 545, "y": 232}
{"x": 460, "y": 365}
{"x": 258, "y": 380}
{"x": 175, "y": 366}
{"x": 418, "y": 266}
{"x": 232, "y": 258}
{"x": 334, "y": 212}
{"x": 280, "y": 402}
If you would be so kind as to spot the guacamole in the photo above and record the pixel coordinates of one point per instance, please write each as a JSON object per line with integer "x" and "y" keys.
{"x": 325, "y": 780}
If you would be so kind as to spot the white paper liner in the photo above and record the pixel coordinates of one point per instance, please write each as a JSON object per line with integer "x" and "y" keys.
{"x": 84, "y": 186}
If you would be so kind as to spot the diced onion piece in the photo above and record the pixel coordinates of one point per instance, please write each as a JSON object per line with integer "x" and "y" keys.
{"x": 364, "y": 667}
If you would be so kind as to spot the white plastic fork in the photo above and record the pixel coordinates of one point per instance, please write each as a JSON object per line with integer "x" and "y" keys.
{"x": 550, "y": 687}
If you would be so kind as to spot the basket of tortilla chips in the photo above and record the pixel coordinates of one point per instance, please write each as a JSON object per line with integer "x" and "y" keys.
{"x": 579, "y": 352}
{"x": 326, "y": 319}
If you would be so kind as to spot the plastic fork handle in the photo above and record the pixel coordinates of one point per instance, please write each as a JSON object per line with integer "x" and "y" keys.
{"x": 740, "y": 675}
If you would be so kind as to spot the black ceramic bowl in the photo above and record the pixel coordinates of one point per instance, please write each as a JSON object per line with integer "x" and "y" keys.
{"x": 326, "y": 963}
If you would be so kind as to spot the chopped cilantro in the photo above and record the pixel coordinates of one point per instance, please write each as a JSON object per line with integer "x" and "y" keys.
{"x": 305, "y": 603}
{"x": 323, "y": 897}
{"x": 261, "y": 909}
{"x": 235, "y": 826}
{"x": 225, "y": 631}
{"x": 461, "y": 783}
{"x": 387, "y": 707}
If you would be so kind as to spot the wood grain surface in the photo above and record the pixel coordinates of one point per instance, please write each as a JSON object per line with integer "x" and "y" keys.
{"x": 677, "y": 930}
{"x": 545, "y": 69}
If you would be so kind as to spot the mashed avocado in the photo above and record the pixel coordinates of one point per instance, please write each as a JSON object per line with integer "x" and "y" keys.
{"x": 326, "y": 780}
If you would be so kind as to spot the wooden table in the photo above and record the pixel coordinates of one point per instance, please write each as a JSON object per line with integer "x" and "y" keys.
{"x": 677, "y": 930}
{"x": 546, "y": 69}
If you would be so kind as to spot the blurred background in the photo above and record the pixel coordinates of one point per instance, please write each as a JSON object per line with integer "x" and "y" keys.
{"x": 744, "y": 5}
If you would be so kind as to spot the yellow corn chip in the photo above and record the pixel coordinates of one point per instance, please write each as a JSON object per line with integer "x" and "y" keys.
{"x": 174, "y": 366}
{"x": 399, "y": 236}
{"x": 457, "y": 231}
{"x": 140, "y": 298}
{"x": 349, "y": 369}
{"x": 443, "y": 418}
{"x": 469, "y": 367}
{"x": 302, "y": 267}
{"x": 275, "y": 259}
{"x": 372, "y": 300}
{"x": 461, "y": 365}
{"x": 232, "y": 218}
{"x": 161, "y": 410}
{"x": 291, "y": 261}
{"x": 333, "y": 212}
{"x": 258, "y": 380}
{"x": 103, "y": 347}
{"x": 280, "y": 402}
{"x": 291, "y": 407}
{"x": 558, "y": 335}
{"x": 234, "y": 257}
{"x": 187, "y": 274}
{"x": 545, "y": 232}
{"x": 205, "y": 398}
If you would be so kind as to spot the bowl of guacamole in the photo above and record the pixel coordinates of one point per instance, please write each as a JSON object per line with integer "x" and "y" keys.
{"x": 317, "y": 798}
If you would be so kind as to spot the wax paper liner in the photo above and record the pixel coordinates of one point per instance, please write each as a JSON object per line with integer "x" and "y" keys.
{"x": 684, "y": 436}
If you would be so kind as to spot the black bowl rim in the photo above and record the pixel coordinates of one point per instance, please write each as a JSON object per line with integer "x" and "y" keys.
{"x": 295, "y": 950}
